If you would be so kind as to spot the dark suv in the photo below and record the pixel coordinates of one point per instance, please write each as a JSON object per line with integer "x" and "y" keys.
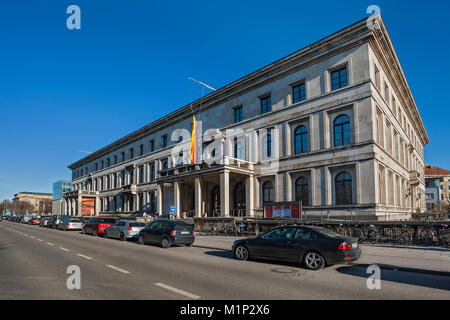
{"x": 97, "y": 226}
{"x": 167, "y": 233}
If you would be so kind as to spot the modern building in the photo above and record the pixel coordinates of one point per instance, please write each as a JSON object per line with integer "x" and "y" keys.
{"x": 60, "y": 188}
{"x": 333, "y": 125}
{"x": 40, "y": 201}
{"x": 437, "y": 183}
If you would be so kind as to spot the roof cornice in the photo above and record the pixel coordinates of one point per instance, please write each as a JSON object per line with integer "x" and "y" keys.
{"x": 383, "y": 48}
{"x": 339, "y": 41}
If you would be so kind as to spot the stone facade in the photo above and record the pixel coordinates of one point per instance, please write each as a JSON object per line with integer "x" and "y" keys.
{"x": 344, "y": 134}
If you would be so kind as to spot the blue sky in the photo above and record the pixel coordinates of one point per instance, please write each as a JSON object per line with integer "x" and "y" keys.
{"x": 61, "y": 90}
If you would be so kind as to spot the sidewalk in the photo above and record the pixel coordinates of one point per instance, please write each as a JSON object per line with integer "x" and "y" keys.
{"x": 432, "y": 260}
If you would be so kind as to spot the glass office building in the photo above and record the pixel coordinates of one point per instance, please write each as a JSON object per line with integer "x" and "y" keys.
{"x": 60, "y": 188}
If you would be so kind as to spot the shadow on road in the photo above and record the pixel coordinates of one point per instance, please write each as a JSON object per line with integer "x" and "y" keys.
{"x": 415, "y": 277}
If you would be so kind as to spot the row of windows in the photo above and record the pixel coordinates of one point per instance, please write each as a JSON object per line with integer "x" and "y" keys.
{"x": 342, "y": 188}
{"x": 339, "y": 79}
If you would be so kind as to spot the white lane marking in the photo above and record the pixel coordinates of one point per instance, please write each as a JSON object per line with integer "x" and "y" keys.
{"x": 50, "y": 244}
{"x": 117, "y": 269}
{"x": 184, "y": 293}
{"x": 64, "y": 249}
{"x": 83, "y": 256}
{"x": 31, "y": 237}
{"x": 39, "y": 240}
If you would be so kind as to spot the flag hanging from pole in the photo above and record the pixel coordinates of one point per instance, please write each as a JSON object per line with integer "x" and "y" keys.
{"x": 194, "y": 141}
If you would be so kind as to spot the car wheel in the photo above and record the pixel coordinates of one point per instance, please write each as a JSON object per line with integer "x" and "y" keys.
{"x": 141, "y": 240}
{"x": 165, "y": 243}
{"x": 241, "y": 252}
{"x": 313, "y": 260}
{"x": 122, "y": 236}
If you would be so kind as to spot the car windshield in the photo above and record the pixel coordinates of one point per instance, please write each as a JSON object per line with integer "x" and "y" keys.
{"x": 75, "y": 220}
{"x": 106, "y": 221}
{"x": 327, "y": 233}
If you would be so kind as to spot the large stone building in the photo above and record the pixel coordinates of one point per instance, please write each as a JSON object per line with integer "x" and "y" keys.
{"x": 334, "y": 125}
{"x": 41, "y": 202}
{"x": 437, "y": 184}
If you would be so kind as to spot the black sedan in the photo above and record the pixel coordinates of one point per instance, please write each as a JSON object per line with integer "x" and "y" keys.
{"x": 314, "y": 247}
{"x": 167, "y": 233}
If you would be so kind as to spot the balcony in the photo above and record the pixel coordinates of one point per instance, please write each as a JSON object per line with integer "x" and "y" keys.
{"x": 414, "y": 177}
{"x": 129, "y": 188}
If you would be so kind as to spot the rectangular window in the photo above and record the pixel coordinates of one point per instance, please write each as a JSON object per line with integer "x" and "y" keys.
{"x": 266, "y": 104}
{"x": 102, "y": 164}
{"x": 377, "y": 77}
{"x": 115, "y": 159}
{"x": 152, "y": 172}
{"x": 141, "y": 174}
{"x": 141, "y": 149}
{"x": 152, "y": 145}
{"x": 96, "y": 166}
{"x": 238, "y": 114}
{"x": 239, "y": 148}
{"x": 339, "y": 78}
{"x": 123, "y": 156}
{"x": 386, "y": 92}
{"x": 131, "y": 153}
{"x": 299, "y": 93}
{"x": 107, "y": 162}
{"x": 164, "y": 141}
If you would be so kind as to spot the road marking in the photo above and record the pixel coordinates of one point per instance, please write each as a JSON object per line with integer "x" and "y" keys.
{"x": 50, "y": 244}
{"x": 39, "y": 240}
{"x": 184, "y": 293}
{"x": 31, "y": 237}
{"x": 117, "y": 269}
{"x": 83, "y": 256}
{"x": 64, "y": 249}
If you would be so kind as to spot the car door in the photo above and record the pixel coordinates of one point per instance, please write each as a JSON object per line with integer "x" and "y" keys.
{"x": 272, "y": 245}
{"x": 149, "y": 232}
{"x": 303, "y": 239}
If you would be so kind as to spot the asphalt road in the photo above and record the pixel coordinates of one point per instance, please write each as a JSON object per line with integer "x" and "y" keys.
{"x": 34, "y": 260}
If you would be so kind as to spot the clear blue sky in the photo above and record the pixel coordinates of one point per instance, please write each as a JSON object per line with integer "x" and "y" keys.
{"x": 60, "y": 89}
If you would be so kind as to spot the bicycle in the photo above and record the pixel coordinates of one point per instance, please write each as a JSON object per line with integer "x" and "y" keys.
{"x": 403, "y": 237}
{"x": 431, "y": 235}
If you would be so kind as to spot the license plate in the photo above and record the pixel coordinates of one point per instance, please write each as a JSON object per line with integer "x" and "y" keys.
{"x": 184, "y": 232}
{"x": 354, "y": 245}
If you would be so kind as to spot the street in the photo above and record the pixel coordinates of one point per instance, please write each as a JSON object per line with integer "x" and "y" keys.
{"x": 34, "y": 261}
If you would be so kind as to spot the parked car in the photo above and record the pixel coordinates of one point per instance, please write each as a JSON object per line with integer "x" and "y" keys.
{"x": 314, "y": 247}
{"x": 55, "y": 220}
{"x": 25, "y": 219}
{"x": 44, "y": 221}
{"x": 97, "y": 225}
{"x": 167, "y": 233}
{"x": 67, "y": 224}
{"x": 124, "y": 230}
{"x": 34, "y": 221}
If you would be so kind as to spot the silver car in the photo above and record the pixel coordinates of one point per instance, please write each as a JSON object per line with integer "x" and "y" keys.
{"x": 67, "y": 224}
{"x": 124, "y": 230}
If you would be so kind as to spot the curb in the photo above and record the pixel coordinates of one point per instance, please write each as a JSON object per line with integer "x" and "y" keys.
{"x": 382, "y": 266}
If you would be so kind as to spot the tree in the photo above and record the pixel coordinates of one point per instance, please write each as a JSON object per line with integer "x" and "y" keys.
{"x": 5, "y": 205}
{"x": 21, "y": 207}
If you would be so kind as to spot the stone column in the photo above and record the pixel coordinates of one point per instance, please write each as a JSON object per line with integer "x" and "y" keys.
{"x": 177, "y": 197}
{"x": 225, "y": 193}
{"x": 159, "y": 199}
{"x": 279, "y": 179}
{"x": 79, "y": 205}
{"x": 198, "y": 197}
{"x": 249, "y": 195}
